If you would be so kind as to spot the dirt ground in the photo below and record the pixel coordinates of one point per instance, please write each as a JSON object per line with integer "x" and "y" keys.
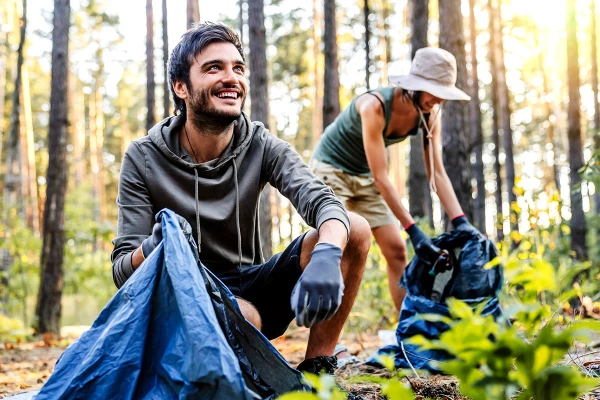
{"x": 27, "y": 366}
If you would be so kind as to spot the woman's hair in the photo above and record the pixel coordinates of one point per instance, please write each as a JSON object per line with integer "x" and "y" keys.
{"x": 414, "y": 96}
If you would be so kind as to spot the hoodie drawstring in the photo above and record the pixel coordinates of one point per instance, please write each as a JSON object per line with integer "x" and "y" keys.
{"x": 199, "y": 243}
{"x": 429, "y": 137}
{"x": 237, "y": 212}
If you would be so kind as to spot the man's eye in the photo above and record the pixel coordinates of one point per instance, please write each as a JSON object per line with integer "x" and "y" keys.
{"x": 213, "y": 68}
{"x": 240, "y": 69}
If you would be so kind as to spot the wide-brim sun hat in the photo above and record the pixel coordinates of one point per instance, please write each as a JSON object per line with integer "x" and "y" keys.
{"x": 433, "y": 70}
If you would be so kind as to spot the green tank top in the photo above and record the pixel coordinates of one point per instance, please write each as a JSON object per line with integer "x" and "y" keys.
{"x": 341, "y": 145}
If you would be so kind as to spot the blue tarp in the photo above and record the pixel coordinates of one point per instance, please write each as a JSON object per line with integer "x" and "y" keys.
{"x": 173, "y": 331}
{"x": 468, "y": 281}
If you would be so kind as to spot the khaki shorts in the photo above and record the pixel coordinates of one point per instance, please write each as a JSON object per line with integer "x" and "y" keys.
{"x": 358, "y": 193}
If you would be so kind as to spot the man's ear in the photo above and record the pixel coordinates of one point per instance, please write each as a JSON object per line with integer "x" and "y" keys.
{"x": 180, "y": 89}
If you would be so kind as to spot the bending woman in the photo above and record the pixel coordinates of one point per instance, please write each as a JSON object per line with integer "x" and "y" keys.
{"x": 351, "y": 156}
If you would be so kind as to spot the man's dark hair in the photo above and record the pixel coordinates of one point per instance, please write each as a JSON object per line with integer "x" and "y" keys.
{"x": 191, "y": 44}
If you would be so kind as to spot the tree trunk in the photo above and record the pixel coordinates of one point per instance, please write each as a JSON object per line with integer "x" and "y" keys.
{"x": 165, "y": 49}
{"x": 594, "y": 72}
{"x": 259, "y": 106}
{"x": 385, "y": 42}
{"x": 12, "y": 177}
{"x": 507, "y": 138}
{"x": 77, "y": 128}
{"x": 29, "y": 178}
{"x": 419, "y": 195}
{"x": 495, "y": 122}
{"x": 241, "y": 21}
{"x": 193, "y": 13}
{"x": 455, "y": 118}
{"x": 366, "y": 12}
{"x": 331, "y": 81}
{"x": 150, "y": 85}
{"x": 317, "y": 111}
{"x": 549, "y": 115}
{"x": 48, "y": 309}
{"x": 476, "y": 128}
{"x": 578, "y": 223}
{"x": 4, "y": 51}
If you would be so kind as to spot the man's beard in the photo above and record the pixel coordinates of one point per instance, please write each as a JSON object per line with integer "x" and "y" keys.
{"x": 209, "y": 119}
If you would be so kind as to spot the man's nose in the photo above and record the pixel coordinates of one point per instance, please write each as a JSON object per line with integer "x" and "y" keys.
{"x": 230, "y": 76}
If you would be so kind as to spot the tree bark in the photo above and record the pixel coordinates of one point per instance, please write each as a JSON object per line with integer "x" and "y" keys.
{"x": 259, "y": 106}
{"x": 455, "y": 122}
{"x": 419, "y": 194}
{"x": 12, "y": 177}
{"x": 29, "y": 177}
{"x": 578, "y": 223}
{"x": 476, "y": 145}
{"x": 193, "y": 13}
{"x": 495, "y": 122}
{"x": 331, "y": 81}
{"x": 4, "y": 51}
{"x": 150, "y": 85}
{"x": 549, "y": 115}
{"x": 165, "y": 49}
{"x": 507, "y": 137}
{"x": 366, "y": 12}
{"x": 317, "y": 111}
{"x": 48, "y": 309}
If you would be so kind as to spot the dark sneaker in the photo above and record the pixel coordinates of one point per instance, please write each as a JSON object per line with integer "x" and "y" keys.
{"x": 318, "y": 365}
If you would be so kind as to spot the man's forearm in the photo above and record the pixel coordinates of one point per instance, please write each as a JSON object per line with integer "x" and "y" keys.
{"x": 137, "y": 258}
{"x": 333, "y": 231}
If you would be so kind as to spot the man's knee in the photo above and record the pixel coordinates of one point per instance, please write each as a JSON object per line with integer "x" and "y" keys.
{"x": 359, "y": 241}
{"x": 250, "y": 313}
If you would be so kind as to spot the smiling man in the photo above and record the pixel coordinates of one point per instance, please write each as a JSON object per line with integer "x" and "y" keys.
{"x": 209, "y": 164}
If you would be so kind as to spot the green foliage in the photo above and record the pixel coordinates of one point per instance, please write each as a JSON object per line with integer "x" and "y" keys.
{"x": 495, "y": 361}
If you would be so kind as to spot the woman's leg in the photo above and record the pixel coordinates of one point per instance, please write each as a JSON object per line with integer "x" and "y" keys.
{"x": 393, "y": 249}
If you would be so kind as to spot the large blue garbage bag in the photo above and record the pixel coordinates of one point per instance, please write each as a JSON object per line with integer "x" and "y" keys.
{"x": 468, "y": 281}
{"x": 173, "y": 331}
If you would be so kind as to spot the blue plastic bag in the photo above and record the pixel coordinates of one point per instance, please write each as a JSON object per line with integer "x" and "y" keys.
{"x": 172, "y": 331}
{"x": 469, "y": 282}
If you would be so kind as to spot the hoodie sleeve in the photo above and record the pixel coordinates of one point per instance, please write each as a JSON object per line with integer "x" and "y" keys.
{"x": 135, "y": 217}
{"x": 314, "y": 201}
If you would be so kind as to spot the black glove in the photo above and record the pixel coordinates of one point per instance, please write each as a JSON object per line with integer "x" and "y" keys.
{"x": 152, "y": 241}
{"x": 462, "y": 224}
{"x": 318, "y": 293}
{"x": 424, "y": 247}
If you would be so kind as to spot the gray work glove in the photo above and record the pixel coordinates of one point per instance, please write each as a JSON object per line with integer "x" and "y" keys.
{"x": 152, "y": 241}
{"x": 318, "y": 293}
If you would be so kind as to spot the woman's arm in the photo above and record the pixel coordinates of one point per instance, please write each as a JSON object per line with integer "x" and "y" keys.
{"x": 445, "y": 191}
{"x": 373, "y": 123}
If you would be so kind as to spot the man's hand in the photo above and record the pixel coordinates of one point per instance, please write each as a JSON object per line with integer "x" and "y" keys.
{"x": 318, "y": 293}
{"x": 152, "y": 241}
{"x": 424, "y": 247}
{"x": 461, "y": 223}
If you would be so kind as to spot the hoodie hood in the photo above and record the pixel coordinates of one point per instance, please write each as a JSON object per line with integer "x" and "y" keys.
{"x": 165, "y": 135}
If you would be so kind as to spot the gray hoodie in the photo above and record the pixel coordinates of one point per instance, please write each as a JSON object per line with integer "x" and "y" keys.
{"x": 218, "y": 198}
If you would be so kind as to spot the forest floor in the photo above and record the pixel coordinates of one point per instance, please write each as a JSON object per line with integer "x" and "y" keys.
{"x": 26, "y": 366}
